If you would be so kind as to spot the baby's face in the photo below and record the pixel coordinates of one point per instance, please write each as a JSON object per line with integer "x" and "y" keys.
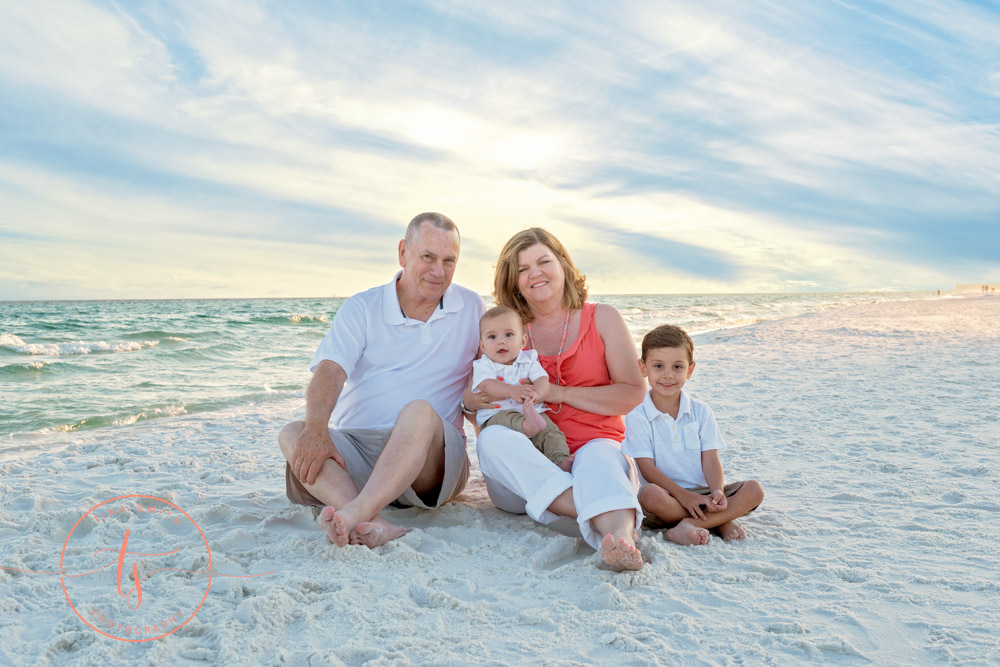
{"x": 501, "y": 338}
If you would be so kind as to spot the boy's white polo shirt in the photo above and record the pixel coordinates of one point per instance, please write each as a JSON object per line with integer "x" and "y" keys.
{"x": 674, "y": 445}
{"x": 391, "y": 360}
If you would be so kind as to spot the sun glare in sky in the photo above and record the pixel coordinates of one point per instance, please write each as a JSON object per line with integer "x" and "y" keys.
{"x": 226, "y": 149}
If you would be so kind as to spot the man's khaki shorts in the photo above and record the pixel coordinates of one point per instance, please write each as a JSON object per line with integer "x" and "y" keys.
{"x": 361, "y": 448}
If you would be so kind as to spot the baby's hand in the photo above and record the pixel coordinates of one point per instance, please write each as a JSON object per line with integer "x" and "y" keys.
{"x": 523, "y": 393}
{"x": 693, "y": 503}
{"x": 717, "y": 501}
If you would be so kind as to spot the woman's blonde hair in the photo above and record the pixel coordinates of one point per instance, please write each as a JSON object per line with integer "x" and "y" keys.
{"x": 505, "y": 276}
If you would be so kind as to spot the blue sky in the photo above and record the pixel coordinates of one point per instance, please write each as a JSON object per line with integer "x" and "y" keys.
{"x": 235, "y": 148}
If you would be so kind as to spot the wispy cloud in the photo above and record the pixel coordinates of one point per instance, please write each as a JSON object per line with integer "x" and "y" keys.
{"x": 246, "y": 149}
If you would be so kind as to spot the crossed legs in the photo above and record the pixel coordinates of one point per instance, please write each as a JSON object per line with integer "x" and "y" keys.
{"x": 413, "y": 456}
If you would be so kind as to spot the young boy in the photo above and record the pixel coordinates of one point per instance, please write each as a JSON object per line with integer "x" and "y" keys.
{"x": 675, "y": 441}
{"x": 511, "y": 374}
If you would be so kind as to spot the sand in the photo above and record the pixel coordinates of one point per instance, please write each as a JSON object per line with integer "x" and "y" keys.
{"x": 872, "y": 428}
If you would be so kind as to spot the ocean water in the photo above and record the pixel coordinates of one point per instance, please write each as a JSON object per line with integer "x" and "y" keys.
{"x": 72, "y": 366}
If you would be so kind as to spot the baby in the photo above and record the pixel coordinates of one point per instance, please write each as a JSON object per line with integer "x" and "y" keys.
{"x": 519, "y": 383}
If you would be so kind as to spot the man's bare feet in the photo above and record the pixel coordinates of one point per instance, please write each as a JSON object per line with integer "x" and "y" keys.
{"x": 533, "y": 422}
{"x": 620, "y": 555}
{"x": 687, "y": 534}
{"x": 376, "y": 533}
{"x": 371, "y": 534}
{"x": 731, "y": 530}
{"x": 338, "y": 525}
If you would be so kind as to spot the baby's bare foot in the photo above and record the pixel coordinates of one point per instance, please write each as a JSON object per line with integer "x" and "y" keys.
{"x": 732, "y": 531}
{"x": 687, "y": 534}
{"x": 533, "y": 422}
{"x": 376, "y": 533}
{"x": 620, "y": 554}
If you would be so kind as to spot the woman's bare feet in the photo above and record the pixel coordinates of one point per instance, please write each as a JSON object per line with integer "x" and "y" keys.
{"x": 533, "y": 422}
{"x": 620, "y": 555}
{"x": 731, "y": 530}
{"x": 687, "y": 534}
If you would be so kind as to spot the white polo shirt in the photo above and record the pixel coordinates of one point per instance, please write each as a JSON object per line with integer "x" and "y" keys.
{"x": 391, "y": 359}
{"x": 674, "y": 445}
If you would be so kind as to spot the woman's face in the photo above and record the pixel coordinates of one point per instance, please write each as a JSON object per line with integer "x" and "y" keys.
{"x": 540, "y": 275}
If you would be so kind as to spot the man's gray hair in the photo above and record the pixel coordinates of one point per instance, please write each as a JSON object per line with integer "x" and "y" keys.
{"x": 438, "y": 220}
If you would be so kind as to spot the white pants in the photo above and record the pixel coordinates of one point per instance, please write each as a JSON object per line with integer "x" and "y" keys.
{"x": 521, "y": 480}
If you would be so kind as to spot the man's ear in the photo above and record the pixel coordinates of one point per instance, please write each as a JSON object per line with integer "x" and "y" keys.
{"x": 402, "y": 253}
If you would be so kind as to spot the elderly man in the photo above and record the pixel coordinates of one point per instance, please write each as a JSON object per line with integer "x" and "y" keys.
{"x": 390, "y": 373}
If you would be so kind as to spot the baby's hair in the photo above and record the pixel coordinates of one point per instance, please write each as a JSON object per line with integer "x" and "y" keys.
{"x": 667, "y": 335}
{"x": 495, "y": 312}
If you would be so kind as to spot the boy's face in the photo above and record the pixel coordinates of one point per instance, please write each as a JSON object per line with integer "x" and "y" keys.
{"x": 667, "y": 369}
{"x": 501, "y": 338}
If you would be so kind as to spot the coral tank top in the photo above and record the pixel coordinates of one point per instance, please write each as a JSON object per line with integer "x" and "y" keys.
{"x": 583, "y": 365}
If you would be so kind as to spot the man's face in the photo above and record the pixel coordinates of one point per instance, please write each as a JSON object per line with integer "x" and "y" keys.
{"x": 428, "y": 262}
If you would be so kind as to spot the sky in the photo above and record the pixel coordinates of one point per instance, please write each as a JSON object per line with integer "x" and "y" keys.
{"x": 236, "y": 148}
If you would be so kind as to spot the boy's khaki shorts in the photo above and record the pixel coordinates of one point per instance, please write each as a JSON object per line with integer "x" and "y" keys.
{"x": 361, "y": 447}
{"x": 651, "y": 522}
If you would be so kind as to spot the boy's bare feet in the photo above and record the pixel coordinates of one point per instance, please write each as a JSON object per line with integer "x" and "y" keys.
{"x": 533, "y": 422}
{"x": 620, "y": 555}
{"x": 687, "y": 534}
{"x": 731, "y": 530}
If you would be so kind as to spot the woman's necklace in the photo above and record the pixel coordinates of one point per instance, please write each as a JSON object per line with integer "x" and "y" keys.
{"x": 562, "y": 345}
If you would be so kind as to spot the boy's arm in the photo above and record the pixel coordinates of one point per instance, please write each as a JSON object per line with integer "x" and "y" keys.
{"x": 712, "y": 469}
{"x": 689, "y": 500}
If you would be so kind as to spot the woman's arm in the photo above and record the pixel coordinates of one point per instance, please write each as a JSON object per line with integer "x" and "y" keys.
{"x": 627, "y": 386}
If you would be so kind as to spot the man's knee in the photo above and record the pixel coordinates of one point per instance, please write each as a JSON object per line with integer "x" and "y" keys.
{"x": 419, "y": 410}
{"x": 288, "y": 436}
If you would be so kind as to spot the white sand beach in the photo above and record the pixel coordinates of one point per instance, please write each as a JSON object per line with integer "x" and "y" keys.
{"x": 873, "y": 429}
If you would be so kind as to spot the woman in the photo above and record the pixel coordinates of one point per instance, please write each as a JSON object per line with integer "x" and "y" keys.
{"x": 594, "y": 374}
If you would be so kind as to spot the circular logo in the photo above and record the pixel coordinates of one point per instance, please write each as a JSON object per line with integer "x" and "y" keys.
{"x": 136, "y": 568}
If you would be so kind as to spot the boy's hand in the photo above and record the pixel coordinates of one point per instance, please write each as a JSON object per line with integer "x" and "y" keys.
{"x": 717, "y": 501}
{"x": 692, "y": 502}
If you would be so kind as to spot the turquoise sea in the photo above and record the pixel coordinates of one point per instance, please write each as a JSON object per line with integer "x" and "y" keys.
{"x": 71, "y": 366}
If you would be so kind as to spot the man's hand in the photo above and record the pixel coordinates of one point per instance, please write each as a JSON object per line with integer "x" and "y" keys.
{"x": 717, "y": 501}
{"x": 692, "y": 503}
{"x": 312, "y": 449}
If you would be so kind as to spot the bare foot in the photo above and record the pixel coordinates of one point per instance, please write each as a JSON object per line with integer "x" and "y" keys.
{"x": 325, "y": 521}
{"x": 338, "y": 525}
{"x": 533, "y": 422}
{"x": 376, "y": 533}
{"x": 620, "y": 555}
{"x": 687, "y": 534}
{"x": 731, "y": 531}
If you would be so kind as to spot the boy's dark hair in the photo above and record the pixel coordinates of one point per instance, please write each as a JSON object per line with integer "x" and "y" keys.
{"x": 496, "y": 312}
{"x": 667, "y": 335}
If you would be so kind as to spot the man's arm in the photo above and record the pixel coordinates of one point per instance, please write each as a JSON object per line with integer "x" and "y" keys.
{"x": 314, "y": 445}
